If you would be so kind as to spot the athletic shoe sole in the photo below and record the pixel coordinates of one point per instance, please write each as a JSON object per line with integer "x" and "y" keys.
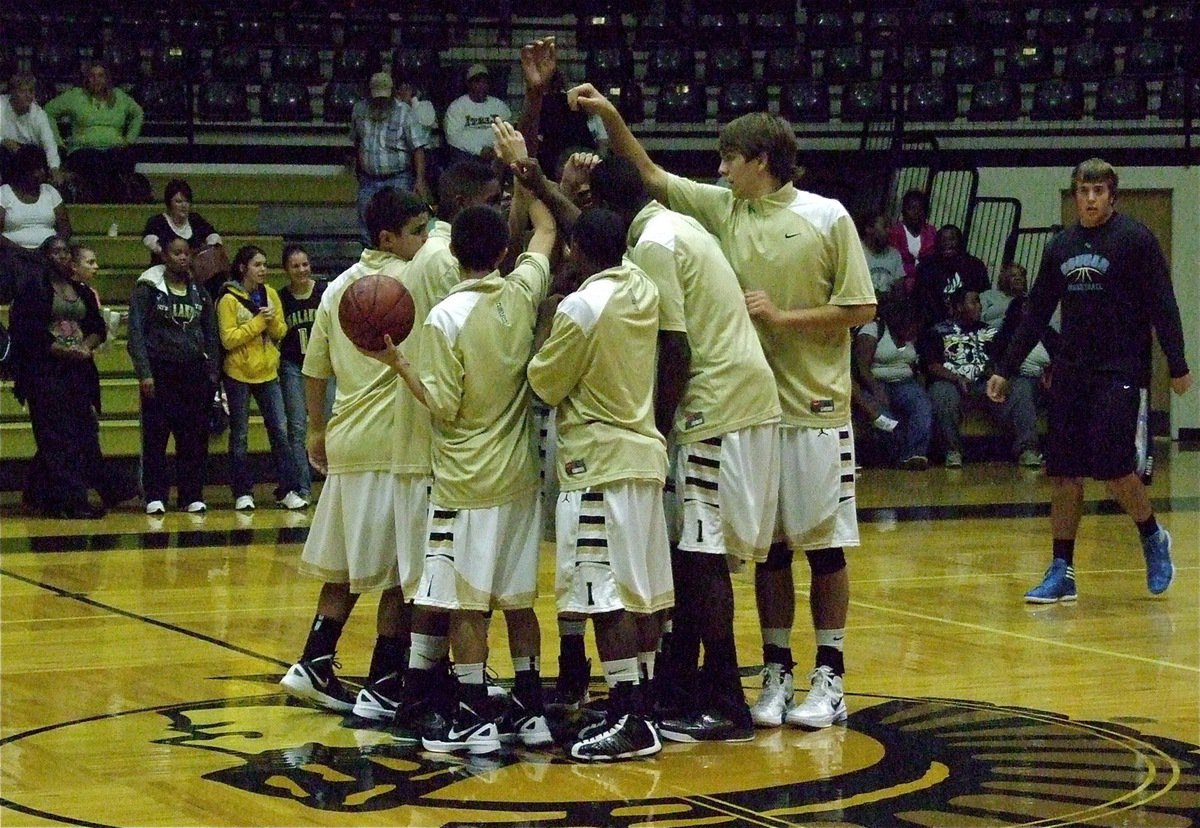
{"x": 1066, "y": 599}
{"x": 298, "y": 685}
{"x": 818, "y": 723}
{"x": 475, "y": 747}
{"x": 366, "y": 706}
{"x": 687, "y": 738}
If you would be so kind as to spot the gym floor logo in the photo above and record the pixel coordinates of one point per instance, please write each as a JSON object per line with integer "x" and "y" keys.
{"x": 898, "y": 761}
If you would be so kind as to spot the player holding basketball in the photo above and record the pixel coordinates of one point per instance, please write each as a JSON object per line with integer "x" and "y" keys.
{"x": 1114, "y": 286}
{"x": 352, "y": 543}
{"x": 806, "y": 282}
{"x": 485, "y": 509}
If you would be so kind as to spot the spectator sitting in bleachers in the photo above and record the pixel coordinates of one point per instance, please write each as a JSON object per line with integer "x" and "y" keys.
{"x": 105, "y": 121}
{"x": 468, "y": 122}
{"x": 957, "y": 354}
{"x": 913, "y": 236}
{"x": 888, "y": 388}
{"x": 951, "y": 268}
{"x": 177, "y": 221}
{"x": 23, "y": 122}
{"x": 887, "y": 268}
{"x": 31, "y": 209}
{"x": 1012, "y": 283}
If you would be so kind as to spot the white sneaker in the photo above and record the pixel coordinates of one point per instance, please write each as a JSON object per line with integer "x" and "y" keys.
{"x": 776, "y": 697}
{"x": 197, "y": 507}
{"x": 291, "y": 500}
{"x": 824, "y": 705}
{"x": 244, "y": 503}
{"x": 156, "y": 507}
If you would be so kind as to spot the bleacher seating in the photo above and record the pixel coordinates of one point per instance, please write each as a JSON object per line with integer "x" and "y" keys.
{"x": 805, "y": 101}
{"x": 1057, "y": 99}
{"x": 738, "y": 98}
{"x": 681, "y": 103}
{"x": 1121, "y": 98}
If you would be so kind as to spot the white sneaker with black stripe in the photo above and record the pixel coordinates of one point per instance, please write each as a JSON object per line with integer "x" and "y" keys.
{"x": 825, "y": 703}
{"x": 314, "y": 680}
{"x": 379, "y": 699}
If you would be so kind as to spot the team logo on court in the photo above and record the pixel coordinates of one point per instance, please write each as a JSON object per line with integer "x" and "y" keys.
{"x": 898, "y": 761}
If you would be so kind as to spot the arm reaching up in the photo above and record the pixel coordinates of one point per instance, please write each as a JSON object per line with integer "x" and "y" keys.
{"x": 620, "y": 138}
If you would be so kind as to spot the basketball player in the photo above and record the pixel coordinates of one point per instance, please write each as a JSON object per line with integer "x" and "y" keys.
{"x": 352, "y": 543}
{"x": 597, "y": 370}
{"x": 1114, "y": 286}
{"x": 434, "y": 272}
{"x": 485, "y": 508}
{"x": 799, "y": 261}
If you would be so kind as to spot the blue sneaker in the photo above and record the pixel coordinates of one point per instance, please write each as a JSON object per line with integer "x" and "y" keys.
{"x": 1159, "y": 569}
{"x": 1058, "y": 585}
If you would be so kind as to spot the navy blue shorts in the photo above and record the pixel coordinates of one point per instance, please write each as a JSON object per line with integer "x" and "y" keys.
{"x": 1093, "y": 426}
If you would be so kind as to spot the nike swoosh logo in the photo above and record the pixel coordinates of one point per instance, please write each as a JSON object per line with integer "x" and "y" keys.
{"x": 790, "y": 235}
{"x": 320, "y": 682}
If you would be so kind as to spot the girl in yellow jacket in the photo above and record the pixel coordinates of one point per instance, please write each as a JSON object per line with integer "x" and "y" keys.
{"x": 250, "y": 322}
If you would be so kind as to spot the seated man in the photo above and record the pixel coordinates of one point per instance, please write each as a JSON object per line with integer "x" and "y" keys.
{"x": 956, "y": 355}
{"x": 468, "y": 122}
{"x": 950, "y": 268}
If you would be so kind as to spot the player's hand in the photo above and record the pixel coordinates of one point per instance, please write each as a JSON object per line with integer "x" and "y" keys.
{"x": 760, "y": 307}
{"x": 577, "y": 172}
{"x": 1180, "y": 385}
{"x": 146, "y": 387}
{"x": 315, "y": 443}
{"x": 508, "y": 142}
{"x": 997, "y": 388}
{"x": 529, "y": 172}
{"x": 588, "y": 98}
{"x": 390, "y": 356}
{"x": 538, "y": 62}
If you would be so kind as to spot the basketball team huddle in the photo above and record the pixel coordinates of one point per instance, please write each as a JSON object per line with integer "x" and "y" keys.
{"x": 665, "y": 366}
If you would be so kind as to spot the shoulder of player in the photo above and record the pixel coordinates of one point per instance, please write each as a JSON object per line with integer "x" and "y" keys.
{"x": 450, "y": 315}
{"x": 586, "y": 305}
{"x": 819, "y": 211}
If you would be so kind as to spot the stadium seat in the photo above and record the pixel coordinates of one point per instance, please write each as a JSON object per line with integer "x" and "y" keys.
{"x": 830, "y": 27}
{"x": 1057, "y": 99}
{"x": 845, "y": 64}
{"x": 918, "y": 62}
{"x": 943, "y": 26}
{"x": 1089, "y": 60}
{"x": 308, "y": 30}
{"x": 665, "y": 64}
{"x": 1172, "y": 103}
{"x": 997, "y": 25}
{"x": 285, "y": 101}
{"x": 661, "y": 27}
{"x": 719, "y": 28}
{"x": 969, "y": 63}
{"x": 355, "y": 64}
{"x": 883, "y": 28}
{"x": 199, "y": 32}
{"x": 932, "y": 100}
{"x": 1121, "y": 98}
{"x": 124, "y": 60}
{"x": 995, "y": 100}
{"x": 767, "y": 29}
{"x": 728, "y": 63}
{"x": 422, "y": 65}
{"x": 174, "y": 62}
{"x": 250, "y": 30}
{"x": 1150, "y": 58}
{"x": 163, "y": 100}
{"x": 1029, "y": 62}
{"x": 866, "y": 101}
{"x": 368, "y": 31}
{"x": 1176, "y": 21}
{"x": 785, "y": 63}
{"x": 738, "y": 98}
{"x": 57, "y": 62}
{"x": 681, "y": 103}
{"x": 805, "y": 101}
{"x": 223, "y": 100}
{"x": 595, "y": 31}
{"x": 1118, "y": 23}
{"x": 339, "y": 98}
{"x": 1060, "y": 23}
{"x": 8, "y": 60}
{"x": 628, "y": 99}
{"x": 237, "y": 61}
{"x": 296, "y": 63}
{"x": 609, "y": 64}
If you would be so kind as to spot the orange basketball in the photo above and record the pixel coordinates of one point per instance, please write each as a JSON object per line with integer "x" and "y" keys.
{"x": 374, "y": 306}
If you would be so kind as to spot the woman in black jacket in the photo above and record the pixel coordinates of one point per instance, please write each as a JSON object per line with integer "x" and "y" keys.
{"x": 56, "y": 326}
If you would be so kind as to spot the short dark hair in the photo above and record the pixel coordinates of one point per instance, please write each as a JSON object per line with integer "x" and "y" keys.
{"x": 389, "y": 209}
{"x": 757, "y": 133}
{"x": 174, "y": 187}
{"x": 242, "y": 258}
{"x": 291, "y": 249}
{"x": 478, "y": 237}
{"x": 599, "y": 234}
{"x": 1092, "y": 171}
{"x": 77, "y": 250}
{"x": 617, "y": 184}
{"x": 916, "y": 195}
{"x": 28, "y": 159}
{"x": 460, "y": 181}
{"x": 958, "y": 297}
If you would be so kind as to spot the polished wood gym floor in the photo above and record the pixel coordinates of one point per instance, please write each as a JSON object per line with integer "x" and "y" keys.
{"x": 140, "y": 658}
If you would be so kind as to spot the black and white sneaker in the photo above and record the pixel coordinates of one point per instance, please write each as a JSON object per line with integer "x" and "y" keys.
{"x": 706, "y": 726}
{"x": 628, "y": 737}
{"x": 379, "y": 700}
{"x": 468, "y": 731}
{"x": 314, "y": 680}
{"x": 524, "y": 724}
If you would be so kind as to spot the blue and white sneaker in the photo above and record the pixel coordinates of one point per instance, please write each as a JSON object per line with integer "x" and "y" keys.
{"x": 1058, "y": 585}
{"x": 1159, "y": 569}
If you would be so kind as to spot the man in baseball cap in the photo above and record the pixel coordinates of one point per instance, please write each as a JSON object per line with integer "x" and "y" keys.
{"x": 468, "y": 122}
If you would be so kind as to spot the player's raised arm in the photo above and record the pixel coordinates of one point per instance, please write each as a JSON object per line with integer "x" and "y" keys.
{"x": 620, "y": 138}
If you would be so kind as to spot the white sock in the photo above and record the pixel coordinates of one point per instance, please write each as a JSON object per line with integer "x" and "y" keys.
{"x": 646, "y": 664}
{"x": 427, "y": 650}
{"x": 620, "y": 670}
{"x": 777, "y": 637}
{"x": 832, "y": 638}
